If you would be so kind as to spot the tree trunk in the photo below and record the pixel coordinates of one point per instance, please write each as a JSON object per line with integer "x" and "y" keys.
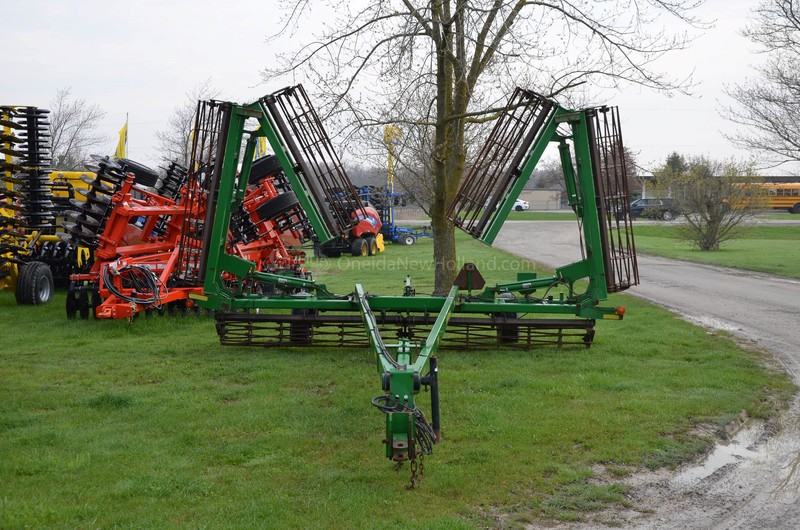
{"x": 449, "y": 151}
{"x": 444, "y": 243}
{"x": 444, "y": 251}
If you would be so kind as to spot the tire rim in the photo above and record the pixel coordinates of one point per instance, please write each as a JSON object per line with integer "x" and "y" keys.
{"x": 43, "y": 291}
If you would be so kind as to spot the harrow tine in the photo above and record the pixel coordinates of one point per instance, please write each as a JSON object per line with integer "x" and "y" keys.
{"x": 463, "y": 333}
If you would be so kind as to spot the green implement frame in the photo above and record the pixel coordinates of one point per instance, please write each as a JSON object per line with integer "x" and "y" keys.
{"x": 302, "y": 312}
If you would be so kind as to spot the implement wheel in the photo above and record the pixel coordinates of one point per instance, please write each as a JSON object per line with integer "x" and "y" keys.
{"x": 359, "y": 247}
{"x": 95, "y": 301}
{"x": 34, "y": 284}
{"x": 301, "y": 333}
{"x": 142, "y": 175}
{"x": 372, "y": 246}
{"x": 506, "y": 333}
{"x": 407, "y": 239}
{"x": 266, "y": 166}
{"x": 83, "y": 303}
{"x": 72, "y": 301}
{"x": 276, "y": 206}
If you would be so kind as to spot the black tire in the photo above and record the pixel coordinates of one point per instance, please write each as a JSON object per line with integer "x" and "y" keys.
{"x": 95, "y": 300}
{"x": 359, "y": 247}
{"x": 302, "y": 333}
{"x": 407, "y": 239}
{"x": 266, "y": 166}
{"x": 72, "y": 302}
{"x": 795, "y": 208}
{"x": 142, "y": 175}
{"x": 83, "y": 303}
{"x": 276, "y": 206}
{"x": 372, "y": 246}
{"x": 518, "y": 208}
{"x": 34, "y": 284}
{"x": 506, "y": 333}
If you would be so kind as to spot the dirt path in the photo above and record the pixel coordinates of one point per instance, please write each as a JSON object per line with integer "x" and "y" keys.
{"x": 753, "y": 480}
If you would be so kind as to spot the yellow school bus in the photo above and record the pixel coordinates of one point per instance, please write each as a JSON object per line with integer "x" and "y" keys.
{"x": 784, "y": 195}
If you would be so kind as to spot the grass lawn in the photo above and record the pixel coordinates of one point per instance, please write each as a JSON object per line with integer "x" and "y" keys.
{"x": 153, "y": 424}
{"x": 541, "y": 216}
{"x": 785, "y": 216}
{"x": 771, "y": 249}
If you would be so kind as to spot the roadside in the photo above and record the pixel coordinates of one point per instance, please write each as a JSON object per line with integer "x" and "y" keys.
{"x": 766, "y": 247}
{"x": 758, "y": 484}
{"x": 414, "y": 214}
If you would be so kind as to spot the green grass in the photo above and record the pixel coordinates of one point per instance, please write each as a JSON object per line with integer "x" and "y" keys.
{"x": 385, "y": 273}
{"x": 153, "y": 424}
{"x": 773, "y": 215}
{"x": 541, "y": 216}
{"x": 770, "y": 249}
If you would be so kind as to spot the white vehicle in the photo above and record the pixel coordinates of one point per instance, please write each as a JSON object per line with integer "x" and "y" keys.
{"x": 519, "y": 204}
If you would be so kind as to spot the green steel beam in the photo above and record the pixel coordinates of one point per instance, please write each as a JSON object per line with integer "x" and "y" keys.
{"x": 583, "y": 307}
{"x": 371, "y": 327}
{"x": 569, "y": 177}
{"x": 228, "y": 155}
{"x": 588, "y": 204}
{"x": 437, "y": 331}
{"x": 401, "y": 376}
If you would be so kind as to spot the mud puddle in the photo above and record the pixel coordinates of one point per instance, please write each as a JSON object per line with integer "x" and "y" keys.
{"x": 749, "y": 481}
{"x": 738, "y": 449}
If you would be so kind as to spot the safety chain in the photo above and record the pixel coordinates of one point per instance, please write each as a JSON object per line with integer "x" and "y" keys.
{"x": 417, "y": 470}
{"x": 414, "y": 477}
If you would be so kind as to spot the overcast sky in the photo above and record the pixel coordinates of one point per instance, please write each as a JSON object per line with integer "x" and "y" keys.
{"x": 141, "y": 57}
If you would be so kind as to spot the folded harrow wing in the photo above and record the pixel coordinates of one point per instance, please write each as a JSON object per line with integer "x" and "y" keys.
{"x": 593, "y": 164}
{"x": 299, "y": 311}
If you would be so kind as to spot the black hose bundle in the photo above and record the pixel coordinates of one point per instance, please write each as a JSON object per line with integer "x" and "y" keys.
{"x": 425, "y": 436}
{"x": 144, "y": 282}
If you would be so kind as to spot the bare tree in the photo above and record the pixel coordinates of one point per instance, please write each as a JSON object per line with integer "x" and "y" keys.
{"x": 440, "y": 65}
{"x": 713, "y": 198}
{"x": 175, "y": 141}
{"x": 769, "y": 105}
{"x": 632, "y": 172}
{"x": 549, "y": 175}
{"x": 365, "y": 175}
{"x": 73, "y": 125}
